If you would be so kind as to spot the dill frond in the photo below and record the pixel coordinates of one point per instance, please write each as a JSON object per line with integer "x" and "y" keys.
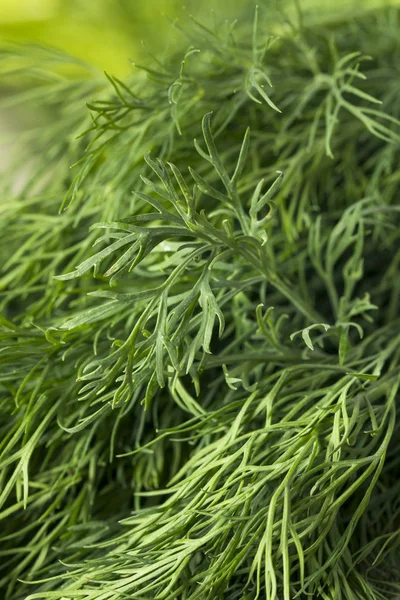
{"x": 199, "y": 321}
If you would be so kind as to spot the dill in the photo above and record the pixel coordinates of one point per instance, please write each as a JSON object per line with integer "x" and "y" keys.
{"x": 199, "y": 321}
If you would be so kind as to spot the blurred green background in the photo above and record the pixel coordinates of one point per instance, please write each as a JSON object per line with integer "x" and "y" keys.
{"x": 107, "y": 33}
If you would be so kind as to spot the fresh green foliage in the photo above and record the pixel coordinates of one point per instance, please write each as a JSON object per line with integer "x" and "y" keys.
{"x": 199, "y": 321}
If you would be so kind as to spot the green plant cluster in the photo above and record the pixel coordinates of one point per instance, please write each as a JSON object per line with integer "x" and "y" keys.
{"x": 200, "y": 334}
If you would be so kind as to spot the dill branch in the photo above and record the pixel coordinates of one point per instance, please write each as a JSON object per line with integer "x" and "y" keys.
{"x": 199, "y": 321}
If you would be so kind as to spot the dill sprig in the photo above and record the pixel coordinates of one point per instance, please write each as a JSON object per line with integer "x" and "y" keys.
{"x": 199, "y": 323}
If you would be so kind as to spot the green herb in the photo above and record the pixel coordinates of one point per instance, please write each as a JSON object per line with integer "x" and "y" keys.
{"x": 200, "y": 348}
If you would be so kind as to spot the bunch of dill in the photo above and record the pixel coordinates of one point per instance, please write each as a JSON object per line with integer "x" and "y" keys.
{"x": 200, "y": 336}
